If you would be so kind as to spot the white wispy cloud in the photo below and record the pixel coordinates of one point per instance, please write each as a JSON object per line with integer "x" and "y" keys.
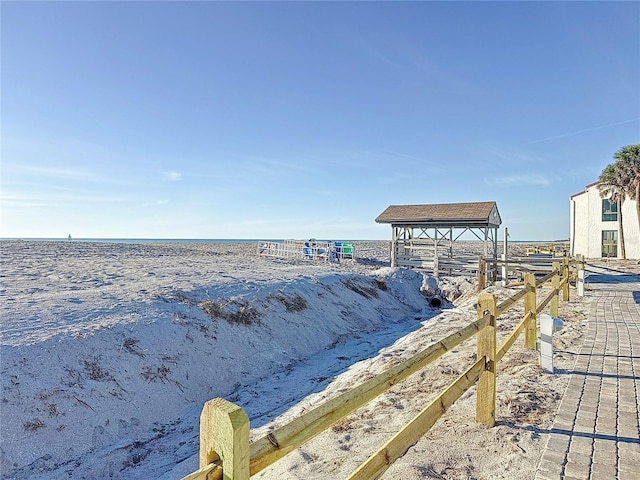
{"x": 377, "y": 52}
{"x": 155, "y": 203}
{"x": 579, "y": 132}
{"x": 255, "y": 169}
{"x": 10, "y": 203}
{"x": 500, "y": 155}
{"x": 519, "y": 180}
{"x": 49, "y": 200}
{"x": 59, "y": 172}
{"x": 24, "y": 173}
{"x": 172, "y": 176}
{"x": 275, "y": 166}
{"x": 324, "y": 193}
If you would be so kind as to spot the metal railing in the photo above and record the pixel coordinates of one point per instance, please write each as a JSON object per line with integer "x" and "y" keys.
{"x": 310, "y": 250}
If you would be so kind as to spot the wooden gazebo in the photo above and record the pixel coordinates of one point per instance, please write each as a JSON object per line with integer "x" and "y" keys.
{"x": 423, "y": 235}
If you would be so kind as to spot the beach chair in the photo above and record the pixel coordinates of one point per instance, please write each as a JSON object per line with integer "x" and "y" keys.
{"x": 307, "y": 250}
{"x": 347, "y": 250}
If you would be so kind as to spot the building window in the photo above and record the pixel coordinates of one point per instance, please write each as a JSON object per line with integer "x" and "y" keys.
{"x": 609, "y": 211}
{"x": 609, "y": 243}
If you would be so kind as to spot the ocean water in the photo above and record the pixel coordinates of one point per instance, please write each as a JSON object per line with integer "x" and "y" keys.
{"x": 148, "y": 240}
{"x": 163, "y": 240}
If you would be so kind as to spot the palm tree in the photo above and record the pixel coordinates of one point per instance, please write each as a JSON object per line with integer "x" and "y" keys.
{"x": 629, "y": 160}
{"x": 612, "y": 187}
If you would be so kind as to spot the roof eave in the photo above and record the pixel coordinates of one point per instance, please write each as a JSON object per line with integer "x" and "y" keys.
{"x": 441, "y": 223}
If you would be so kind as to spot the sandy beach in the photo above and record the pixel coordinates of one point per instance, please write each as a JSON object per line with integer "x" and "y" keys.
{"x": 109, "y": 350}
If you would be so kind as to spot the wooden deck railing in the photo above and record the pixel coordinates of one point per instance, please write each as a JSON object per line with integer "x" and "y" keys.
{"x": 225, "y": 451}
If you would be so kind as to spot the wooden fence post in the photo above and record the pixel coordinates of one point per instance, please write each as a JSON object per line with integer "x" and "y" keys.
{"x": 555, "y": 284}
{"x": 530, "y": 334}
{"x": 224, "y": 435}
{"x": 565, "y": 279}
{"x": 486, "y": 391}
{"x": 482, "y": 273}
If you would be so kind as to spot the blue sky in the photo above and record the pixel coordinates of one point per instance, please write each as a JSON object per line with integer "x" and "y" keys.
{"x": 307, "y": 119}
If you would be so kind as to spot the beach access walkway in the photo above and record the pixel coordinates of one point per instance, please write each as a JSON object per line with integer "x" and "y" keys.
{"x": 596, "y": 432}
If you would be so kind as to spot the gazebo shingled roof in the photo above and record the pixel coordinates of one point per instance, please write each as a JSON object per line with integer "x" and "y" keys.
{"x": 472, "y": 214}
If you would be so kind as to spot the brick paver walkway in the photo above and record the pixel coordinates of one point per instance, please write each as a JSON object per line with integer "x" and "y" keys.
{"x": 596, "y": 432}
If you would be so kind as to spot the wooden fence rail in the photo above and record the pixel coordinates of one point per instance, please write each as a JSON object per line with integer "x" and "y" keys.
{"x": 225, "y": 451}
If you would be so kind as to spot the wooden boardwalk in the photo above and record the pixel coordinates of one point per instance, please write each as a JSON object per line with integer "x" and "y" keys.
{"x": 596, "y": 432}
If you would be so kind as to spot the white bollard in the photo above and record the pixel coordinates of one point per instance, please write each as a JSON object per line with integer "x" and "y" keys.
{"x": 546, "y": 342}
{"x": 505, "y": 270}
{"x": 581, "y": 282}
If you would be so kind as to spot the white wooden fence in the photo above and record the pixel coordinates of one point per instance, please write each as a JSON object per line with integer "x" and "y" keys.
{"x": 310, "y": 250}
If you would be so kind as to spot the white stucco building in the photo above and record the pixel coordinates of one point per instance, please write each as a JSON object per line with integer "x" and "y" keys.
{"x": 594, "y": 226}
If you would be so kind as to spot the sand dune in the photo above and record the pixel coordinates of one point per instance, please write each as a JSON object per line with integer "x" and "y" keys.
{"x": 110, "y": 350}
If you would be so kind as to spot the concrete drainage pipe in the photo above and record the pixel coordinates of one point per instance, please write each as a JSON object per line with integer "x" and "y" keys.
{"x": 435, "y": 301}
